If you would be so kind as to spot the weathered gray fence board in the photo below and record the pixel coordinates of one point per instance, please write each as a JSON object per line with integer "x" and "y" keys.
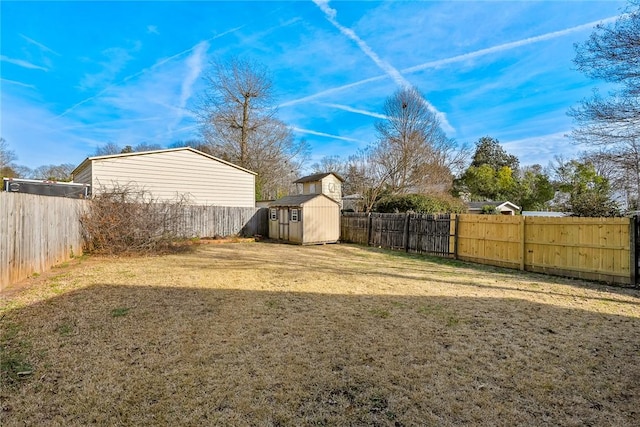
{"x": 411, "y": 232}
{"x": 212, "y": 221}
{"x": 36, "y": 232}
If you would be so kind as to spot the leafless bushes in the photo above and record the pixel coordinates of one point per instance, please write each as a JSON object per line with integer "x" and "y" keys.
{"x": 126, "y": 219}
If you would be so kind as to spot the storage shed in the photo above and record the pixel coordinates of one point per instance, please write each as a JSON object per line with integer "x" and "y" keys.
{"x": 165, "y": 174}
{"x": 329, "y": 183}
{"x": 305, "y": 219}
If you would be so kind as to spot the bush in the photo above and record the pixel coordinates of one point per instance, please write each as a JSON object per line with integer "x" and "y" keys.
{"x": 490, "y": 210}
{"x": 125, "y": 219}
{"x": 420, "y": 203}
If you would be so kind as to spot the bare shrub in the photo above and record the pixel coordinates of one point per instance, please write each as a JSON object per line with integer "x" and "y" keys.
{"x": 127, "y": 219}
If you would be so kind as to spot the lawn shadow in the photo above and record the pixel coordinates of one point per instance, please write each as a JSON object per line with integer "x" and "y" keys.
{"x": 626, "y": 290}
{"x": 161, "y": 355}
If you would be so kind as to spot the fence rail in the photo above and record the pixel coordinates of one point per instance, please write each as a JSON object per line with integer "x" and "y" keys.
{"x": 604, "y": 249}
{"x": 37, "y": 232}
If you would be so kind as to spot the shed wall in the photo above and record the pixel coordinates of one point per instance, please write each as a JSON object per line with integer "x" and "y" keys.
{"x": 321, "y": 221}
{"x": 327, "y": 186}
{"x": 165, "y": 175}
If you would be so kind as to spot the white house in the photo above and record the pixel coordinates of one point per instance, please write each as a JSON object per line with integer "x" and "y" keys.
{"x": 504, "y": 208}
{"x": 204, "y": 179}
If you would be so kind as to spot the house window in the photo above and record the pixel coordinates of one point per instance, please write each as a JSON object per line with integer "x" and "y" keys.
{"x": 273, "y": 214}
{"x": 312, "y": 188}
{"x": 295, "y": 214}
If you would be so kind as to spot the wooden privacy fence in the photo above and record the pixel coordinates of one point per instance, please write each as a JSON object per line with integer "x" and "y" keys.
{"x": 587, "y": 248}
{"x": 211, "y": 221}
{"x": 37, "y": 232}
{"x": 601, "y": 249}
{"x": 410, "y": 232}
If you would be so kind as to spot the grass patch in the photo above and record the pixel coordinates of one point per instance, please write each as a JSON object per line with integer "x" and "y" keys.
{"x": 14, "y": 365}
{"x": 119, "y": 312}
{"x": 267, "y": 334}
{"x": 380, "y": 312}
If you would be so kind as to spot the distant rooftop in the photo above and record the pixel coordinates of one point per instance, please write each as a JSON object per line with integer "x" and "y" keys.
{"x": 317, "y": 177}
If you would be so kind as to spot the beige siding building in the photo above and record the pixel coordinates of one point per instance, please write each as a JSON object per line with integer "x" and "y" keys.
{"x": 329, "y": 184}
{"x": 204, "y": 179}
{"x": 305, "y": 219}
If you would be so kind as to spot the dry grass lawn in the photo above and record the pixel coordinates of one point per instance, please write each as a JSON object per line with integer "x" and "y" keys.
{"x": 264, "y": 334}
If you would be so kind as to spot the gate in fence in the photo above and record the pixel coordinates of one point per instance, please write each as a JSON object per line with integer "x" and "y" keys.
{"x": 418, "y": 233}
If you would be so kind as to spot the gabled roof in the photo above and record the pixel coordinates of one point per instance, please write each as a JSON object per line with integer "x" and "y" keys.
{"x": 317, "y": 177}
{"x": 480, "y": 205}
{"x": 143, "y": 153}
{"x": 298, "y": 200}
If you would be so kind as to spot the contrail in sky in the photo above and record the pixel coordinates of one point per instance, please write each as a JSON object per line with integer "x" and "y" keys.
{"x": 355, "y": 110}
{"x": 146, "y": 70}
{"x": 328, "y": 135}
{"x": 40, "y": 45}
{"x": 389, "y": 69}
{"x": 453, "y": 59}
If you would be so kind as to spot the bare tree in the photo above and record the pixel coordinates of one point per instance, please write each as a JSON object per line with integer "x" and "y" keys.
{"x": 108, "y": 149}
{"x": 412, "y": 147}
{"x": 239, "y": 123}
{"x": 7, "y": 157}
{"x": 611, "y": 123}
{"x": 112, "y": 148}
{"x": 60, "y": 172}
{"x": 330, "y": 164}
{"x": 147, "y": 146}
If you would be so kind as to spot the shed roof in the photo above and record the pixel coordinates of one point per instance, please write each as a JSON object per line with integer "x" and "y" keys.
{"x": 142, "y": 153}
{"x": 298, "y": 200}
{"x": 317, "y": 177}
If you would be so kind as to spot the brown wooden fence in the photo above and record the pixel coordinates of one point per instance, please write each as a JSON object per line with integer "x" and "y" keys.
{"x": 410, "y": 232}
{"x": 602, "y": 249}
{"x": 37, "y": 232}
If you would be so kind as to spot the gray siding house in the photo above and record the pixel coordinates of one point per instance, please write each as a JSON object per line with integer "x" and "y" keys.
{"x": 204, "y": 179}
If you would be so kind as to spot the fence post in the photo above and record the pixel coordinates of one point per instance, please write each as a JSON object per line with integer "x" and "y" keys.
{"x": 633, "y": 251}
{"x": 523, "y": 254}
{"x": 369, "y": 224}
{"x": 455, "y": 236}
{"x": 405, "y": 237}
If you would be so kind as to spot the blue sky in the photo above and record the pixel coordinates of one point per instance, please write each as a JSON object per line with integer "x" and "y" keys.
{"x": 76, "y": 75}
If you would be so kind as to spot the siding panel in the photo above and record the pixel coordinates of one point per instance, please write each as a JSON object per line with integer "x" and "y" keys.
{"x": 167, "y": 174}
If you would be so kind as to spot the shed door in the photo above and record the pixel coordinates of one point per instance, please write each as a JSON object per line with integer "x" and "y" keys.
{"x": 283, "y": 224}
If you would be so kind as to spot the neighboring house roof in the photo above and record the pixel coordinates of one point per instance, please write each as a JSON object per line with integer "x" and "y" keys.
{"x": 545, "y": 213}
{"x": 317, "y": 177}
{"x": 498, "y": 205}
{"x": 355, "y": 196}
{"x": 298, "y": 200}
{"x": 143, "y": 153}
